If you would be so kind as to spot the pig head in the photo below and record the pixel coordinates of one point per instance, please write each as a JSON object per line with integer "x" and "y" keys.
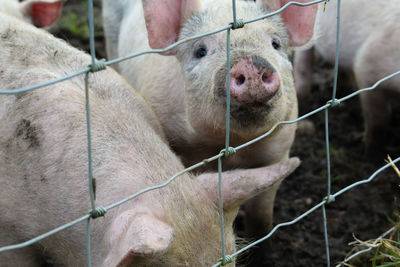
{"x": 261, "y": 84}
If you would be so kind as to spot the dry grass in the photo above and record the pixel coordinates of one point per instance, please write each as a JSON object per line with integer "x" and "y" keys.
{"x": 382, "y": 252}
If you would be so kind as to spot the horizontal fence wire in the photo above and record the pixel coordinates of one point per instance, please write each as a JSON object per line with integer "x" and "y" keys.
{"x": 98, "y": 211}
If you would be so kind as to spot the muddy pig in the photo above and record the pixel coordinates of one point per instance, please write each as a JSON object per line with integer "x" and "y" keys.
{"x": 369, "y": 51}
{"x": 43, "y": 168}
{"x": 187, "y": 88}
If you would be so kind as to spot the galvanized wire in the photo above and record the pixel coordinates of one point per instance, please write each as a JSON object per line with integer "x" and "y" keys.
{"x": 99, "y": 211}
{"x": 327, "y": 143}
{"x": 328, "y": 259}
{"x": 91, "y": 32}
{"x": 221, "y": 211}
{"x": 89, "y": 142}
{"x": 228, "y": 89}
{"x": 328, "y": 152}
{"x": 88, "y": 254}
{"x": 337, "y": 50}
{"x": 234, "y": 13}
{"x": 90, "y": 173}
{"x": 90, "y": 170}
{"x": 34, "y": 87}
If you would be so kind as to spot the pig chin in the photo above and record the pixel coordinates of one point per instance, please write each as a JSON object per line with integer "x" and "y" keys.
{"x": 249, "y": 116}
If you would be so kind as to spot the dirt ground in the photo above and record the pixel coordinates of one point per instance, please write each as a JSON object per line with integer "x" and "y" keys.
{"x": 364, "y": 211}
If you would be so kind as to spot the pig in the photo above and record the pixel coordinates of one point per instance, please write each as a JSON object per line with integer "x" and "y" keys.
{"x": 41, "y": 13}
{"x": 186, "y": 86}
{"x": 43, "y": 168}
{"x": 368, "y": 52}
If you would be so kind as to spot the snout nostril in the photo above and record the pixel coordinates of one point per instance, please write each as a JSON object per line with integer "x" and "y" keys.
{"x": 266, "y": 77}
{"x": 240, "y": 79}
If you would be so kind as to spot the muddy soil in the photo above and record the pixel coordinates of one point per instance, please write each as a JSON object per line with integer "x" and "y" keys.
{"x": 364, "y": 211}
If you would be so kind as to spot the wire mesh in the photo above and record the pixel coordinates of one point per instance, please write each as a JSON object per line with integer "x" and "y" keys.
{"x": 99, "y": 211}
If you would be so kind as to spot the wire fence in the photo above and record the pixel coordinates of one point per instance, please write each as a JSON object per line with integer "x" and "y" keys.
{"x": 98, "y": 211}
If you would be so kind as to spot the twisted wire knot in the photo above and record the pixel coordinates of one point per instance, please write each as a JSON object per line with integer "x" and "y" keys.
{"x": 330, "y": 199}
{"x": 224, "y": 261}
{"x": 228, "y": 152}
{"x": 97, "y": 212}
{"x": 98, "y": 66}
{"x": 239, "y": 24}
{"x": 334, "y": 102}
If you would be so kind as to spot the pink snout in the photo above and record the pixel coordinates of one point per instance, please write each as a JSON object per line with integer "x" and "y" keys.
{"x": 253, "y": 80}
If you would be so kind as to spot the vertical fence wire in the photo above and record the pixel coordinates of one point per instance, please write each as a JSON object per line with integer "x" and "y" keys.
{"x": 328, "y": 163}
{"x": 221, "y": 211}
{"x": 89, "y": 143}
{"x": 337, "y": 51}
{"x": 327, "y": 143}
{"x": 91, "y": 186}
{"x": 88, "y": 247}
{"x": 234, "y": 14}
{"x": 90, "y": 171}
{"x": 326, "y": 236}
{"x": 91, "y": 32}
{"x": 228, "y": 88}
{"x": 328, "y": 152}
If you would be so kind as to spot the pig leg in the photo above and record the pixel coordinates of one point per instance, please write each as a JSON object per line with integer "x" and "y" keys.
{"x": 375, "y": 60}
{"x": 113, "y": 12}
{"x": 303, "y": 71}
{"x": 258, "y": 221}
{"x": 259, "y": 212}
{"x": 376, "y": 113}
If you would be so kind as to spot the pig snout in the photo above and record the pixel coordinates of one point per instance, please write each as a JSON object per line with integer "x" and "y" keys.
{"x": 254, "y": 80}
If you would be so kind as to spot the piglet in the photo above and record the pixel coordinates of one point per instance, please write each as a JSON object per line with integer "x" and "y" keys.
{"x": 369, "y": 50}
{"x": 186, "y": 87}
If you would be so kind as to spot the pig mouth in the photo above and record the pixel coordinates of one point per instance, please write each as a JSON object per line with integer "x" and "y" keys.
{"x": 250, "y": 114}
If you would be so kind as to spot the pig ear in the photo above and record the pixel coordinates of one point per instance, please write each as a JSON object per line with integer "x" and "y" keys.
{"x": 241, "y": 185}
{"x": 137, "y": 235}
{"x": 164, "y": 19}
{"x": 43, "y": 13}
{"x": 299, "y": 20}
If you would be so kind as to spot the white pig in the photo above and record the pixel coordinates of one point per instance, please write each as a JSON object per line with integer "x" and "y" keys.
{"x": 369, "y": 49}
{"x": 43, "y": 168}
{"x": 187, "y": 91}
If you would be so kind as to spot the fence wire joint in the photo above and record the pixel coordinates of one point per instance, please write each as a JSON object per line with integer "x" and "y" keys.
{"x": 224, "y": 261}
{"x": 97, "y": 212}
{"x": 228, "y": 152}
{"x": 334, "y": 102}
{"x": 329, "y": 199}
{"x": 239, "y": 24}
{"x": 98, "y": 66}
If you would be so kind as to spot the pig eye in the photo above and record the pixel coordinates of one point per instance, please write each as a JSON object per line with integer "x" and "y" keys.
{"x": 276, "y": 43}
{"x": 200, "y": 52}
